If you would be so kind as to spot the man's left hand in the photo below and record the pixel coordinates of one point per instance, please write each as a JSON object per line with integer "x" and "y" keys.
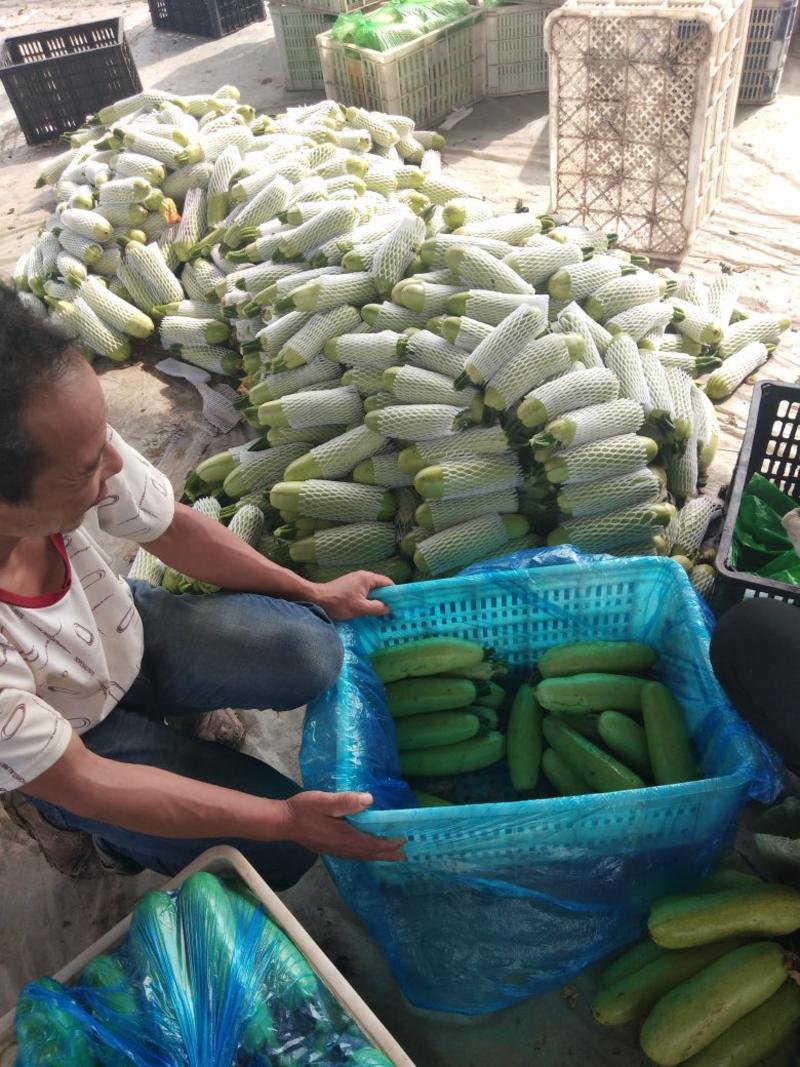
{"x": 346, "y": 597}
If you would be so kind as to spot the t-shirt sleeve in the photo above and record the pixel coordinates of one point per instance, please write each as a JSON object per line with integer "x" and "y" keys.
{"x": 139, "y": 504}
{"x": 33, "y": 736}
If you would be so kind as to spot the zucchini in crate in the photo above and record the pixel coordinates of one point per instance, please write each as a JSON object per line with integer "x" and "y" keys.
{"x": 524, "y": 741}
{"x": 600, "y": 770}
{"x": 425, "y": 656}
{"x": 592, "y": 691}
{"x": 415, "y": 696}
{"x": 458, "y": 758}
{"x": 435, "y": 729}
{"x": 580, "y": 657}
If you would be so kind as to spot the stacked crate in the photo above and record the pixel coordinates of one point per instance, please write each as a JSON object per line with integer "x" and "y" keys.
{"x": 55, "y": 78}
{"x": 642, "y": 99}
{"x": 205, "y": 18}
{"x": 297, "y": 27}
{"x": 771, "y": 25}
{"x": 516, "y": 61}
{"x": 425, "y": 79}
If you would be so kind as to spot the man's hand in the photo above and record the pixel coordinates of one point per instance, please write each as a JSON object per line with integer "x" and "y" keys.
{"x": 316, "y": 821}
{"x": 346, "y": 597}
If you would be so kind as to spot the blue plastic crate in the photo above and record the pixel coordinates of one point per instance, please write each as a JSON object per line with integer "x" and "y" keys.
{"x": 499, "y": 901}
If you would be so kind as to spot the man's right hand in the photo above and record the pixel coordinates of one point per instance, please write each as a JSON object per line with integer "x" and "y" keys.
{"x": 316, "y": 821}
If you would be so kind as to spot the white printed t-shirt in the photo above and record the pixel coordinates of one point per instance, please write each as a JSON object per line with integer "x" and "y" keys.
{"x": 68, "y": 657}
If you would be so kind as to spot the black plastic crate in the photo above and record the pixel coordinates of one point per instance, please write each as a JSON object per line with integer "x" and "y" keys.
{"x": 205, "y": 18}
{"x": 55, "y": 78}
{"x": 771, "y": 447}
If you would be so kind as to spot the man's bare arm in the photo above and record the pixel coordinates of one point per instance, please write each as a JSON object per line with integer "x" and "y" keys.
{"x": 152, "y": 801}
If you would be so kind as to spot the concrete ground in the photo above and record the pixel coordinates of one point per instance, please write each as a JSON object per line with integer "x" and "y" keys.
{"x": 502, "y": 145}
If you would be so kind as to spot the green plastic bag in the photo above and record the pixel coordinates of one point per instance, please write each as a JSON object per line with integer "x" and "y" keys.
{"x": 760, "y": 544}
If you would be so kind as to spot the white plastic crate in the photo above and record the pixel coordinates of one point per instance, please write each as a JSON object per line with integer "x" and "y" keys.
{"x": 228, "y": 862}
{"x": 425, "y": 80}
{"x": 771, "y": 25}
{"x": 516, "y": 61}
{"x": 296, "y": 30}
{"x": 642, "y": 99}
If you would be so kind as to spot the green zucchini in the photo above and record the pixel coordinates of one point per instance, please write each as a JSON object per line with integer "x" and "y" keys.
{"x": 632, "y": 959}
{"x": 156, "y": 946}
{"x": 695, "y": 1013}
{"x": 524, "y": 741}
{"x": 429, "y": 800}
{"x": 783, "y": 1055}
{"x": 607, "y": 657}
{"x": 669, "y": 743}
{"x": 492, "y": 697}
{"x": 413, "y": 696}
{"x": 435, "y": 729}
{"x": 472, "y": 755}
{"x": 682, "y": 921}
{"x": 586, "y": 723}
{"x": 626, "y": 739}
{"x": 561, "y": 776}
{"x": 427, "y": 655}
{"x": 115, "y": 995}
{"x": 633, "y": 996}
{"x": 604, "y": 773}
{"x": 481, "y": 672}
{"x": 728, "y": 879}
{"x": 756, "y": 1034}
{"x": 592, "y": 692}
{"x": 488, "y": 717}
{"x": 47, "y": 1033}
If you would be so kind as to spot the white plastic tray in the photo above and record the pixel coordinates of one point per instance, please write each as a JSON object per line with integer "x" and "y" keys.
{"x": 228, "y": 861}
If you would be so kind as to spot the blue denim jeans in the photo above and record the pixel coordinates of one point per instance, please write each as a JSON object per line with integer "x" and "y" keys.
{"x": 239, "y": 650}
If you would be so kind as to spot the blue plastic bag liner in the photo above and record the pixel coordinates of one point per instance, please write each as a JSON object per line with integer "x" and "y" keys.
{"x": 203, "y": 979}
{"x": 502, "y": 897}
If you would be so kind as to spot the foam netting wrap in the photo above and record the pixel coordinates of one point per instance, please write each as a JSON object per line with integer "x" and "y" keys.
{"x": 359, "y": 543}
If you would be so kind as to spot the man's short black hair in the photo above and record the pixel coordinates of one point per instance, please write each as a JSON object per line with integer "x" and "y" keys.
{"x": 33, "y": 353}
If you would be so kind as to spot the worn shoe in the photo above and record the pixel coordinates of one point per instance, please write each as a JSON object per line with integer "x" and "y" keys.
{"x": 70, "y": 852}
{"x": 224, "y": 726}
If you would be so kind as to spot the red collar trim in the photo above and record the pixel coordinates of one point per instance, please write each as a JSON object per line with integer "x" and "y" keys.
{"x": 45, "y": 600}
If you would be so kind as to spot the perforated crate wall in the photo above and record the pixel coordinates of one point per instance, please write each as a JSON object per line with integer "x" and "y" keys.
{"x": 771, "y": 447}
{"x": 425, "y": 80}
{"x": 642, "y": 99}
{"x": 296, "y": 31}
{"x": 768, "y": 40}
{"x": 55, "y": 78}
{"x": 205, "y": 18}
{"x": 516, "y": 61}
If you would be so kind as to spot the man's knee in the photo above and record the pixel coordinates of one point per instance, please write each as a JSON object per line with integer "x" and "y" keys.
{"x": 316, "y": 651}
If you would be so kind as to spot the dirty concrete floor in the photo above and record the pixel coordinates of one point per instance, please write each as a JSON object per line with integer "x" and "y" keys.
{"x": 502, "y": 146}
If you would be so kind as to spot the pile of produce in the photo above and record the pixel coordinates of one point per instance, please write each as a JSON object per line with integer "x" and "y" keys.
{"x": 710, "y": 985}
{"x": 434, "y": 380}
{"x": 203, "y": 976}
{"x": 397, "y": 22}
{"x": 591, "y": 719}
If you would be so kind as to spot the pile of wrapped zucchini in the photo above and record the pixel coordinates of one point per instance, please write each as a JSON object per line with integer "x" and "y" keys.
{"x": 434, "y": 380}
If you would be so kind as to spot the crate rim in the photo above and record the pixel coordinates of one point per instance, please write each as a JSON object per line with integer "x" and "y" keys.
{"x": 546, "y": 805}
{"x": 224, "y": 859}
{"x": 116, "y": 20}
{"x": 735, "y": 491}
{"x": 588, "y": 10}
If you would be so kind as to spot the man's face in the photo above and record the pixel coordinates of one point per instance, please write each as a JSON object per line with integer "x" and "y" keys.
{"x": 68, "y": 423}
